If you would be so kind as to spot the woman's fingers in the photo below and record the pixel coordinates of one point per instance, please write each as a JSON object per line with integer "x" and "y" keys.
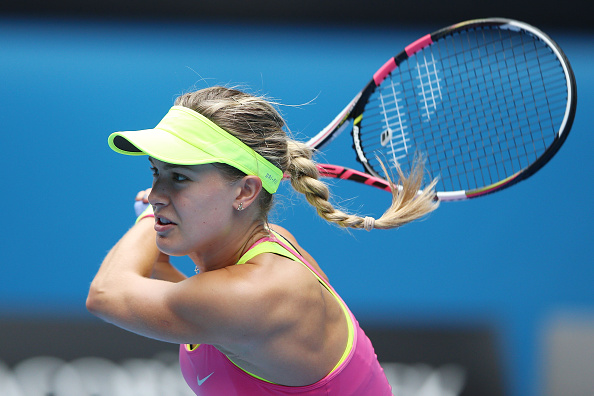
{"x": 143, "y": 195}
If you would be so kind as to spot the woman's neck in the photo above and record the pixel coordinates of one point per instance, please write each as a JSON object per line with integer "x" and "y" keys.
{"x": 234, "y": 246}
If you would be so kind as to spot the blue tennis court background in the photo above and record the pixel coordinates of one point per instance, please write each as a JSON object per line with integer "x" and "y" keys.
{"x": 514, "y": 260}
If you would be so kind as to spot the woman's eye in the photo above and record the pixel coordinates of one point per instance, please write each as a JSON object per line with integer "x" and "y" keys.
{"x": 177, "y": 177}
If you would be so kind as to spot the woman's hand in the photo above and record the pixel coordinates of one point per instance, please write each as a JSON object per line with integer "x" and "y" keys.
{"x": 141, "y": 201}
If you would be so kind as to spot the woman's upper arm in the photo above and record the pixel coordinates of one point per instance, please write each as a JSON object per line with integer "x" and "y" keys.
{"x": 206, "y": 308}
{"x": 142, "y": 307}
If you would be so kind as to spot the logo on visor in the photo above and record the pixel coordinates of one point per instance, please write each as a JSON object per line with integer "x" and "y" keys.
{"x": 271, "y": 178}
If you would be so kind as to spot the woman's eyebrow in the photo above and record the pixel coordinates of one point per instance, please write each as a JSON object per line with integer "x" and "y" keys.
{"x": 168, "y": 166}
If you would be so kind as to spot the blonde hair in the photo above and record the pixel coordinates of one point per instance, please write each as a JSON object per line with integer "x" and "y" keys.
{"x": 255, "y": 121}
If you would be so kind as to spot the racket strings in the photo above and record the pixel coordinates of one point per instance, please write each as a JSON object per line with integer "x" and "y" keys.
{"x": 429, "y": 86}
{"x": 481, "y": 105}
{"x": 395, "y": 131}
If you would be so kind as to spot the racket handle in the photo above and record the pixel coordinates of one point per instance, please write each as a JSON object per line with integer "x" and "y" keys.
{"x": 140, "y": 207}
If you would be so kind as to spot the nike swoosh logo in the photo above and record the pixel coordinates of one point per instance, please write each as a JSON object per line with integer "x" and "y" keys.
{"x": 201, "y": 381}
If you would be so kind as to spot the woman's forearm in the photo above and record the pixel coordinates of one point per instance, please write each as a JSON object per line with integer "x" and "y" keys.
{"x": 134, "y": 255}
{"x": 164, "y": 270}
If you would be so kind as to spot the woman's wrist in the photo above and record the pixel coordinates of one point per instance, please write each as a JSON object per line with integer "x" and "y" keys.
{"x": 143, "y": 210}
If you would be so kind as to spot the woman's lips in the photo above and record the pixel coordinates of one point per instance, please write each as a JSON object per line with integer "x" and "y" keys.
{"x": 163, "y": 224}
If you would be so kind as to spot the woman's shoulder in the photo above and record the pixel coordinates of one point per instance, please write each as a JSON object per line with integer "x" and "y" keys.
{"x": 295, "y": 244}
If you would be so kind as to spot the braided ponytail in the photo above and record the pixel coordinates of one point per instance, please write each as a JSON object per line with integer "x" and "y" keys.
{"x": 407, "y": 203}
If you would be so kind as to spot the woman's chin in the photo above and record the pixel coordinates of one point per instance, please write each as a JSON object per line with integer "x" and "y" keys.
{"x": 170, "y": 250}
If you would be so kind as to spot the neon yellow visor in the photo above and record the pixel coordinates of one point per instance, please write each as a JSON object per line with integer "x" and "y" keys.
{"x": 185, "y": 137}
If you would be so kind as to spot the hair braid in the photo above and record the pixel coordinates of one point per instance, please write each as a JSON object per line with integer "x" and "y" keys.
{"x": 407, "y": 203}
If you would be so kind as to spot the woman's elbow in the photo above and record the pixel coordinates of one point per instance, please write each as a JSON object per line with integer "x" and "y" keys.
{"x": 97, "y": 300}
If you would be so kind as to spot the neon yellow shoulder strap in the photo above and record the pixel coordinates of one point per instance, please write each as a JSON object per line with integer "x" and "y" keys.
{"x": 266, "y": 247}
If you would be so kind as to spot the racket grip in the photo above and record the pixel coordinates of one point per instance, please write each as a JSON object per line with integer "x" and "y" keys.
{"x": 139, "y": 207}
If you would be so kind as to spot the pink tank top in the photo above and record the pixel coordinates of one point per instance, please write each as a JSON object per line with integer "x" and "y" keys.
{"x": 210, "y": 373}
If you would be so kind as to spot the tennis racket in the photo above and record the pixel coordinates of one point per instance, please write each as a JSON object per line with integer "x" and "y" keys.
{"x": 487, "y": 102}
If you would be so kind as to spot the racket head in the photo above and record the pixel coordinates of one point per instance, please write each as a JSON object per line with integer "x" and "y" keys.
{"x": 486, "y": 102}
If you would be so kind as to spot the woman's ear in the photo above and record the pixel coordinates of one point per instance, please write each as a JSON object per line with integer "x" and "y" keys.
{"x": 250, "y": 187}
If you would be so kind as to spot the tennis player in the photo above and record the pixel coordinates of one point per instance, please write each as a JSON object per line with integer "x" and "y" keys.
{"x": 259, "y": 317}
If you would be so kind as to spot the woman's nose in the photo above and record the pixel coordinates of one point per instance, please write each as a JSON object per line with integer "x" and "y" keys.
{"x": 158, "y": 195}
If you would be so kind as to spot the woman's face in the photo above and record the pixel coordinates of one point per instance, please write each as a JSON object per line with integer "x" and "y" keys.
{"x": 193, "y": 208}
